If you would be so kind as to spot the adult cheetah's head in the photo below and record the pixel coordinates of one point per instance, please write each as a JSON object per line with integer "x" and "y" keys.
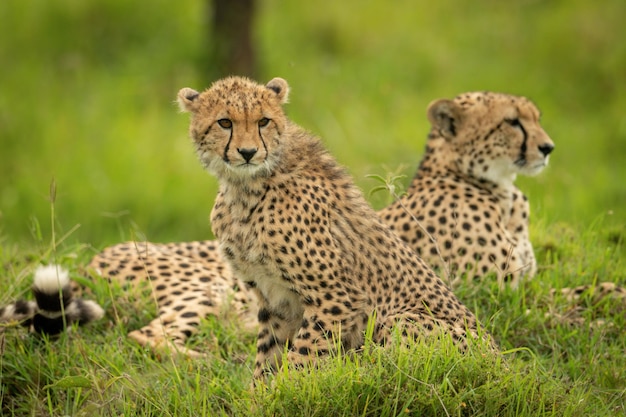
{"x": 493, "y": 136}
{"x": 236, "y": 125}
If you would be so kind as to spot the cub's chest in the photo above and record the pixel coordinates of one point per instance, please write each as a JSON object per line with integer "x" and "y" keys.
{"x": 271, "y": 227}
{"x": 248, "y": 244}
{"x": 241, "y": 224}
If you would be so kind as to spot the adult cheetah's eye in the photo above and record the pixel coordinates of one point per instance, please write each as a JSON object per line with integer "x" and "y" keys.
{"x": 225, "y": 123}
{"x": 514, "y": 122}
{"x": 263, "y": 122}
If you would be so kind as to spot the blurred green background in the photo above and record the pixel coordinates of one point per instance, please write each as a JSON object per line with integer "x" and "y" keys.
{"x": 87, "y": 91}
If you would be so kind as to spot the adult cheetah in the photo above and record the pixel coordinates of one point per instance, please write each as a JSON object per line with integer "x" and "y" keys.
{"x": 294, "y": 227}
{"x": 462, "y": 212}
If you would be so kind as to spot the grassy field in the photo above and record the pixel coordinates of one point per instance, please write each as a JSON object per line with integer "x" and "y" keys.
{"x": 86, "y": 104}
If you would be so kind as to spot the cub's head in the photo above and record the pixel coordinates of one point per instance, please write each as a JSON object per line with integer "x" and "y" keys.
{"x": 236, "y": 125}
{"x": 493, "y": 136}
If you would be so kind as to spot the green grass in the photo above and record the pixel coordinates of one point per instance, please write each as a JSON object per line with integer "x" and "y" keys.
{"x": 548, "y": 366}
{"x": 86, "y": 102}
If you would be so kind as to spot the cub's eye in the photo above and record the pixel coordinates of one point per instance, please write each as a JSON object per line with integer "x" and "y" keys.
{"x": 514, "y": 122}
{"x": 263, "y": 122}
{"x": 225, "y": 123}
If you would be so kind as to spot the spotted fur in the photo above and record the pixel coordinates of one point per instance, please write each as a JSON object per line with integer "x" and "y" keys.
{"x": 189, "y": 281}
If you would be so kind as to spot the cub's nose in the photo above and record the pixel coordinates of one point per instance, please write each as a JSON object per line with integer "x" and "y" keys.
{"x": 247, "y": 153}
{"x": 546, "y": 148}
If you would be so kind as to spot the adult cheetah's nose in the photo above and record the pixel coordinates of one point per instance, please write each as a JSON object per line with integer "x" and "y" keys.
{"x": 546, "y": 148}
{"x": 247, "y": 153}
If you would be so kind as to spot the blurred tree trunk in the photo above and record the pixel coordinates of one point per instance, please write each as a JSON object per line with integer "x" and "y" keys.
{"x": 231, "y": 38}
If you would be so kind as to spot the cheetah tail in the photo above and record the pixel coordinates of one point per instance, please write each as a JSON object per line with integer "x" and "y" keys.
{"x": 54, "y": 306}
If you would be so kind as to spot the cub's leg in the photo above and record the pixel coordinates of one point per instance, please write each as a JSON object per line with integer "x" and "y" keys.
{"x": 278, "y": 325}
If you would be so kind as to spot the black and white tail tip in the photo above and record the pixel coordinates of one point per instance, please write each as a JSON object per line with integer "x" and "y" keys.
{"x": 54, "y": 306}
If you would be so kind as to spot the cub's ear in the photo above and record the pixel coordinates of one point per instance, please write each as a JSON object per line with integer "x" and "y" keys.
{"x": 280, "y": 87}
{"x": 445, "y": 115}
{"x": 187, "y": 99}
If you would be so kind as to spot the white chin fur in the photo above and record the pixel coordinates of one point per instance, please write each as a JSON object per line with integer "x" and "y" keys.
{"x": 501, "y": 172}
{"x": 534, "y": 170}
{"x": 243, "y": 172}
{"x": 50, "y": 278}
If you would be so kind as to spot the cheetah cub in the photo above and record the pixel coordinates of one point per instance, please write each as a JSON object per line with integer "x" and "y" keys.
{"x": 294, "y": 227}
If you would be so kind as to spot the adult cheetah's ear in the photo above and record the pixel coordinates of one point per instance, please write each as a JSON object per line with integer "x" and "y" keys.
{"x": 280, "y": 87}
{"x": 445, "y": 115}
{"x": 187, "y": 99}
